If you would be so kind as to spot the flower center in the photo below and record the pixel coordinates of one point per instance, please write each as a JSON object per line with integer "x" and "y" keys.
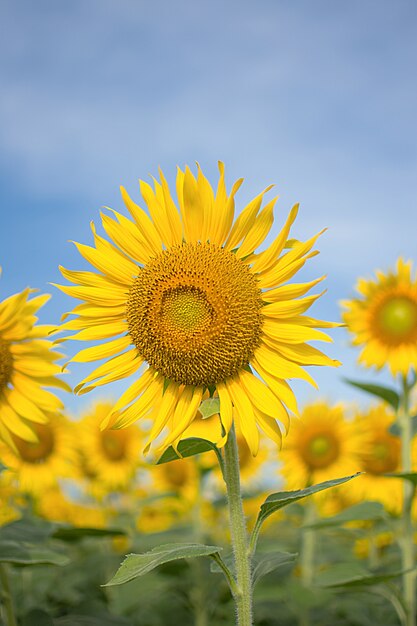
{"x": 113, "y": 444}
{"x": 397, "y": 319}
{"x": 176, "y": 474}
{"x": 194, "y": 314}
{"x": 6, "y": 364}
{"x": 321, "y": 451}
{"x": 38, "y": 452}
{"x": 383, "y": 455}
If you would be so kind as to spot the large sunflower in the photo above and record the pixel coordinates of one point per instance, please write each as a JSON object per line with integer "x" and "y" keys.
{"x": 320, "y": 446}
{"x": 27, "y": 365}
{"x": 35, "y": 466}
{"x": 184, "y": 293}
{"x": 384, "y": 319}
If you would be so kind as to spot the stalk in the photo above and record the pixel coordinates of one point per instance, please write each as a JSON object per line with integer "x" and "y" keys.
{"x": 6, "y": 596}
{"x": 243, "y": 590}
{"x": 407, "y": 543}
{"x": 307, "y": 555}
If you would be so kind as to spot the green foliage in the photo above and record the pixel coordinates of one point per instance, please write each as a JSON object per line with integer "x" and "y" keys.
{"x": 363, "y": 511}
{"x": 209, "y": 407}
{"x": 186, "y": 448}
{"x": 267, "y": 563}
{"x": 26, "y": 554}
{"x": 136, "y": 565}
{"x": 352, "y": 575}
{"x": 383, "y": 393}
{"x": 279, "y": 500}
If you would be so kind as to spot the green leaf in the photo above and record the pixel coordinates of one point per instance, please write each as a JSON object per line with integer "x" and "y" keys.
{"x": 187, "y": 447}
{"x": 385, "y": 393}
{"x": 74, "y": 533}
{"x": 37, "y": 617}
{"x": 351, "y": 575}
{"x": 136, "y": 565}
{"x": 89, "y": 620}
{"x": 277, "y": 501}
{"x": 26, "y": 530}
{"x": 411, "y": 476}
{"x": 363, "y": 511}
{"x": 21, "y": 554}
{"x": 270, "y": 562}
{"x": 209, "y": 407}
{"x": 395, "y": 428}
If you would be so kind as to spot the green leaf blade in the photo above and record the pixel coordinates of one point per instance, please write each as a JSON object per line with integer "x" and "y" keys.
{"x": 383, "y": 393}
{"x": 136, "y": 565}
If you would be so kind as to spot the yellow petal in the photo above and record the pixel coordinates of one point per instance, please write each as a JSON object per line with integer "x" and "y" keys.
{"x": 245, "y": 414}
{"x": 264, "y": 260}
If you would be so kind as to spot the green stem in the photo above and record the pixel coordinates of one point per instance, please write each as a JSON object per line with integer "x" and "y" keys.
{"x": 307, "y": 555}
{"x": 6, "y": 596}
{"x": 199, "y": 592}
{"x": 407, "y": 543}
{"x": 243, "y": 591}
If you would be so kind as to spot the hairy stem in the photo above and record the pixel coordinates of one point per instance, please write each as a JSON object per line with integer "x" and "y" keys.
{"x": 243, "y": 591}
{"x": 407, "y": 543}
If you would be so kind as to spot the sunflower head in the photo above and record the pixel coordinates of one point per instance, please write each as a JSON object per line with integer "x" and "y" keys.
{"x": 27, "y": 367}
{"x": 108, "y": 459}
{"x": 320, "y": 446}
{"x": 188, "y": 304}
{"x": 384, "y": 319}
{"x": 379, "y": 454}
{"x": 38, "y": 464}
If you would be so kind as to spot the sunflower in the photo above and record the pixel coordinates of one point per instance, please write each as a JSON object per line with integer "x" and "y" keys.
{"x": 27, "y": 365}
{"x": 320, "y": 446}
{"x": 184, "y": 294}
{"x": 181, "y": 478}
{"x": 380, "y": 454}
{"x": 109, "y": 458}
{"x": 35, "y": 466}
{"x": 57, "y": 507}
{"x": 384, "y": 319}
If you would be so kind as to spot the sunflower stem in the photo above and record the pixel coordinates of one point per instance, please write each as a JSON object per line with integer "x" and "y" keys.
{"x": 243, "y": 592}
{"x": 307, "y": 554}
{"x": 407, "y": 543}
{"x": 6, "y": 596}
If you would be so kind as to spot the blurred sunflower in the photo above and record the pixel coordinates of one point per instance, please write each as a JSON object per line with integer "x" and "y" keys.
{"x": 57, "y": 507}
{"x": 185, "y": 293}
{"x": 181, "y": 477}
{"x": 380, "y": 453}
{"x": 384, "y": 319}
{"x": 320, "y": 446}
{"x": 35, "y": 466}
{"x": 161, "y": 514}
{"x": 27, "y": 365}
{"x": 110, "y": 458}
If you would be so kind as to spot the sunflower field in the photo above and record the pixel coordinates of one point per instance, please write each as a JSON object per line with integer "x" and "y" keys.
{"x": 204, "y": 493}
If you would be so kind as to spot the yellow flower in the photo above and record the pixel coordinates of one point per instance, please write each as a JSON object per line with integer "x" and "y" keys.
{"x": 11, "y": 501}
{"x": 161, "y": 514}
{"x": 378, "y": 544}
{"x": 384, "y": 319}
{"x": 380, "y": 454}
{"x": 184, "y": 294}
{"x": 26, "y": 367}
{"x": 109, "y": 459}
{"x": 320, "y": 446}
{"x": 180, "y": 477}
{"x": 56, "y": 507}
{"x": 37, "y": 466}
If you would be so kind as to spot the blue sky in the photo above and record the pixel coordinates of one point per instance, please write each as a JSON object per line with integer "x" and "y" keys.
{"x": 318, "y": 97}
